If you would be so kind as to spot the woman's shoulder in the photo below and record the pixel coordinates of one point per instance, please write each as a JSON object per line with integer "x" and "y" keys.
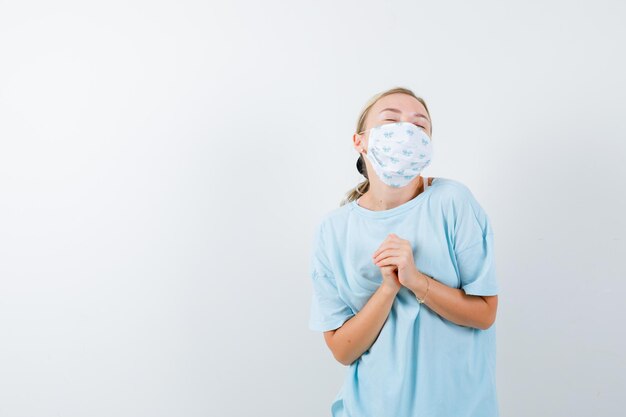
{"x": 336, "y": 215}
{"x": 451, "y": 188}
{"x": 332, "y": 218}
{"x": 458, "y": 198}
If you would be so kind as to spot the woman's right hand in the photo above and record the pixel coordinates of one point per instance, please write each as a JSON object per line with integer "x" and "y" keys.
{"x": 390, "y": 277}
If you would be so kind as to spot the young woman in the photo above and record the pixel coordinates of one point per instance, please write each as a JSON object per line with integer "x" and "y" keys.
{"x": 404, "y": 279}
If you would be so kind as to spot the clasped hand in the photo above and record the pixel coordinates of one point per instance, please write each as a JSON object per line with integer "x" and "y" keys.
{"x": 394, "y": 257}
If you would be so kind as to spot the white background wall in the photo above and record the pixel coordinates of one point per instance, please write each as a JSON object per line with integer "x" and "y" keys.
{"x": 162, "y": 165}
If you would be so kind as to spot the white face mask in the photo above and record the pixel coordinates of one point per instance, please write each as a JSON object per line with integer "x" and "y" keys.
{"x": 398, "y": 152}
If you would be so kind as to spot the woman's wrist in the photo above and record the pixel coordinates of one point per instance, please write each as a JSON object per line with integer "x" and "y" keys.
{"x": 390, "y": 289}
{"x": 420, "y": 285}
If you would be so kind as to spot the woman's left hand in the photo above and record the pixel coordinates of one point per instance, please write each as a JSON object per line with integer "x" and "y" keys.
{"x": 397, "y": 251}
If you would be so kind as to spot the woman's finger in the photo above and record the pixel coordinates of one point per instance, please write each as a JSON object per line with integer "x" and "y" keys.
{"x": 386, "y": 245}
{"x": 391, "y": 260}
{"x": 388, "y": 252}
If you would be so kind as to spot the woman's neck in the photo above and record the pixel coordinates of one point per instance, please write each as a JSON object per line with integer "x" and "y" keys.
{"x": 379, "y": 196}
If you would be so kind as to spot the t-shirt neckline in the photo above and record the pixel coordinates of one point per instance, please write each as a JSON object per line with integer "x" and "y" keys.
{"x": 395, "y": 210}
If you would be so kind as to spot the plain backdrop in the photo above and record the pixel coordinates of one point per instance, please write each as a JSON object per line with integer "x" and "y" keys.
{"x": 163, "y": 164}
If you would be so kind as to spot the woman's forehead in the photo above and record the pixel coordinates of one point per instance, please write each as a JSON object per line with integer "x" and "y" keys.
{"x": 399, "y": 103}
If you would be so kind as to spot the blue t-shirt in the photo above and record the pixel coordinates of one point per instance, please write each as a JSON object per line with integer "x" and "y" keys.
{"x": 421, "y": 364}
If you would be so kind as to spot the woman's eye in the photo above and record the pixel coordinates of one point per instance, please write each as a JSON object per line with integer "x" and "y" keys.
{"x": 416, "y": 124}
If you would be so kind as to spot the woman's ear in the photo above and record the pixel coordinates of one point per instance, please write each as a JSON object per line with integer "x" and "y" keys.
{"x": 359, "y": 142}
{"x": 356, "y": 140}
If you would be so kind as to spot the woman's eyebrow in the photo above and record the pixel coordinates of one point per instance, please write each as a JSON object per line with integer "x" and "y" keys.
{"x": 398, "y": 111}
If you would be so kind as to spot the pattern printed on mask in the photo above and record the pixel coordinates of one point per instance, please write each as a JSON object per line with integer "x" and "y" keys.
{"x": 396, "y": 162}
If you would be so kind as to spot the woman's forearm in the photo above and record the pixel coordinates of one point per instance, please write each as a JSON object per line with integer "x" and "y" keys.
{"x": 358, "y": 334}
{"x": 454, "y": 304}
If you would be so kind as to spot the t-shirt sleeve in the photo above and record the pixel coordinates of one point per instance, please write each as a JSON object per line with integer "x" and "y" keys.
{"x": 328, "y": 310}
{"x": 474, "y": 248}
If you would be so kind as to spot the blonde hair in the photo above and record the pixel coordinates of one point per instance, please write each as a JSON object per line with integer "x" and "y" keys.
{"x": 362, "y": 187}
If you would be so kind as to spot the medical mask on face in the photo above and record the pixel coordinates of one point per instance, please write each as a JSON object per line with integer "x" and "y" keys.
{"x": 398, "y": 152}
